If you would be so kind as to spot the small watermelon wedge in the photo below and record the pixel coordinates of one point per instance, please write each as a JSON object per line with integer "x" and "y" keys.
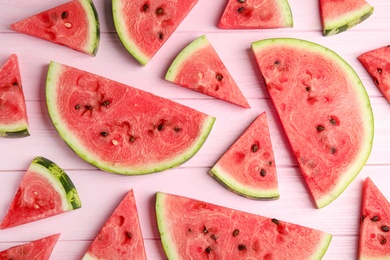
{"x": 319, "y": 98}
{"x": 198, "y": 67}
{"x": 248, "y": 166}
{"x": 13, "y": 112}
{"x": 377, "y": 64}
{"x": 39, "y": 249}
{"x": 375, "y": 223}
{"x": 193, "y": 229}
{"x": 74, "y": 24}
{"x": 144, "y": 26}
{"x": 45, "y": 191}
{"x": 121, "y": 236}
{"x": 338, "y": 16}
{"x": 256, "y": 14}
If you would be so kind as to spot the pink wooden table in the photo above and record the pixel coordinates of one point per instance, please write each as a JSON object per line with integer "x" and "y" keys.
{"x": 101, "y": 192}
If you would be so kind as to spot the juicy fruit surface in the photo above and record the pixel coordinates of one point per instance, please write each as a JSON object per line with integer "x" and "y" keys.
{"x": 324, "y": 110}
{"x": 377, "y": 64}
{"x": 120, "y": 237}
{"x": 144, "y": 26}
{"x": 198, "y": 67}
{"x": 248, "y": 166}
{"x": 256, "y": 14}
{"x": 192, "y": 229}
{"x": 13, "y": 112}
{"x": 74, "y": 24}
{"x": 375, "y": 223}
{"x": 38, "y": 249}
{"x": 119, "y": 128}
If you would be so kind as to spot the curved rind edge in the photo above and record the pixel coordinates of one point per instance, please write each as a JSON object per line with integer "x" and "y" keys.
{"x": 94, "y": 26}
{"x": 287, "y": 13}
{"x": 20, "y": 129}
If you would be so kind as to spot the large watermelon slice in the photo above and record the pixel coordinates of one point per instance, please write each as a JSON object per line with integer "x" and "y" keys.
{"x": 198, "y": 67}
{"x": 192, "y": 229}
{"x": 338, "y": 16}
{"x": 45, "y": 191}
{"x": 248, "y": 166}
{"x": 374, "y": 235}
{"x": 121, "y": 129}
{"x": 74, "y": 24}
{"x": 120, "y": 237}
{"x": 13, "y": 112}
{"x": 324, "y": 110}
{"x": 144, "y": 26}
{"x": 377, "y": 64}
{"x": 39, "y": 249}
{"x": 256, "y": 14}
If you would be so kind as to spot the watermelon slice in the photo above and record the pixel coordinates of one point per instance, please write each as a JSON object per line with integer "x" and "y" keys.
{"x": 248, "y": 166}
{"x": 375, "y": 222}
{"x": 45, "y": 191}
{"x": 256, "y": 14}
{"x": 120, "y": 237}
{"x": 319, "y": 99}
{"x": 338, "y": 16}
{"x": 39, "y": 249}
{"x": 377, "y": 64}
{"x": 198, "y": 67}
{"x": 144, "y": 26}
{"x": 13, "y": 112}
{"x": 121, "y": 129}
{"x": 192, "y": 229}
{"x": 74, "y": 24}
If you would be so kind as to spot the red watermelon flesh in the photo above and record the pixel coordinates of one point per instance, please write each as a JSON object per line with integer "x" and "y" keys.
{"x": 39, "y": 249}
{"x": 13, "y": 112}
{"x": 248, "y": 166}
{"x": 377, "y": 64}
{"x": 145, "y": 25}
{"x": 74, "y": 24}
{"x": 319, "y": 99}
{"x": 256, "y": 14}
{"x": 374, "y": 235}
{"x": 198, "y": 67}
{"x": 120, "y": 237}
{"x": 192, "y": 229}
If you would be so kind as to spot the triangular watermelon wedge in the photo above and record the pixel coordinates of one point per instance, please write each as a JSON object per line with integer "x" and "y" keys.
{"x": 144, "y": 26}
{"x": 375, "y": 223}
{"x": 248, "y": 166}
{"x": 193, "y": 229}
{"x": 74, "y": 24}
{"x": 121, "y": 236}
{"x": 377, "y": 64}
{"x": 13, "y": 112}
{"x": 256, "y": 14}
{"x": 338, "y": 16}
{"x": 198, "y": 67}
{"x": 44, "y": 191}
{"x": 39, "y": 249}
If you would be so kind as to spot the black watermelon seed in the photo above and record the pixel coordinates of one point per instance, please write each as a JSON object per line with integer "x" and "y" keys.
{"x": 385, "y": 228}
{"x": 132, "y": 139}
{"x": 88, "y": 107}
{"x": 208, "y": 250}
{"x": 241, "y": 1}
{"x": 145, "y": 7}
{"x": 177, "y": 129}
{"x": 160, "y": 35}
{"x": 375, "y": 218}
{"x": 213, "y": 237}
{"x": 128, "y": 234}
{"x": 240, "y": 9}
{"x": 241, "y": 247}
{"x": 159, "y": 10}
{"x": 64, "y": 15}
{"x": 333, "y": 150}
{"x": 15, "y": 83}
{"x": 379, "y": 70}
{"x": 104, "y": 134}
{"x": 160, "y": 127}
{"x": 375, "y": 80}
{"x": 274, "y": 220}
{"x": 106, "y": 103}
{"x": 384, "y": 241}
{"x": 255, "y": 148}
{"x": 320, "y": 128}
{"x": 236, "y": 232}
{"x": 77, "y": 106}
{"x": 276, "y": 63}
{"x": 308, "y": 88}
{"x": 219, "y": 77}
{"x": 205, "y": 230}
{"x": 263, "y": 172}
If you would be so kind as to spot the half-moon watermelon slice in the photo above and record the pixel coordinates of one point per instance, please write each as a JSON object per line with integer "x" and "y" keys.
{"x": 119, "y": 128}
{"x": 248, "y": 166}
{"x": 144, "y": 26}
{"x": 324, "y": 109}
{"x": 39, "y": 249}
{"x": 192, "y": 229}
{"x": 45, "y": 191}
{"x": 121, "y": 236}
{"x": 256, "y": 14}
{"x": 13, "y": 112}
{"x": 198, "y": 67}
{"x": 74, "y": 24}
{"x": 374, "y": 235}
{"x": 377, "y": 64}
{"x": 338, "y": 16}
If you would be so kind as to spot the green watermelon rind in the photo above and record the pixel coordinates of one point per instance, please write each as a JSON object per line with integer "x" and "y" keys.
{"x": 51, "y": 84}
{"x": 18, "y": 129}
{"x": 92, "y": 45}
{"x": 361, "y": 159}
